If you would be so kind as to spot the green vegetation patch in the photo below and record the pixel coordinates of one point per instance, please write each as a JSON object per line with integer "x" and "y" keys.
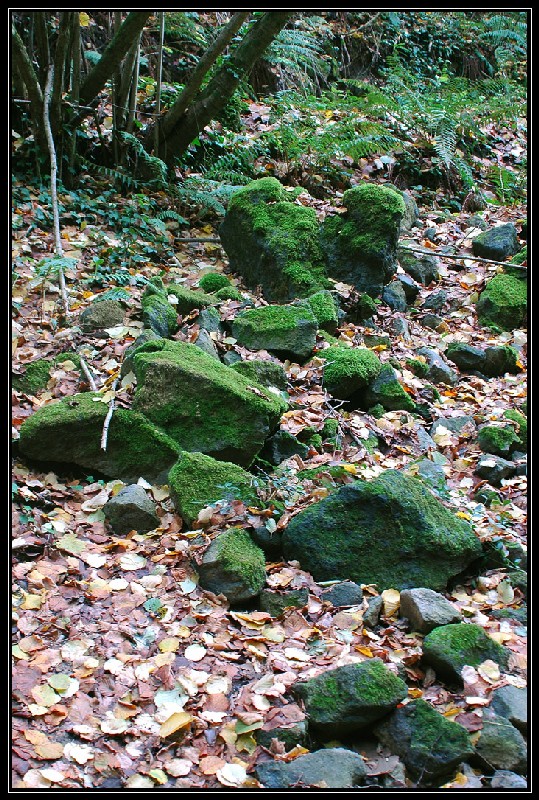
{"x": 289, "y": 329}
{"x": 325, "y": 309}
{"x": 503, "y": 302}
{"x": 234, "y": 566}
{"x": 189, "y": 299}
{"x": 349, "y": 369}
{"x": 522, "y": 426}
{"x": 213, "y": 281}
{"x": 159, "y": 315}
{"x": 500, "y": 441}
{"x": 387, "y": 391}
{"x": 449, "y": 648}
{"x": 268, "y": 373}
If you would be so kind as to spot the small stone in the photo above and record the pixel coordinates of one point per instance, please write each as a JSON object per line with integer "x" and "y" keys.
{"x": 504, "y": 779}
{"x": 399, "y": 327}
{"x": 512, "y": 703}
{"x": 394, "y": 296}
{"x": 411, "y": 288}
{"x": 333, "y": 768}
{"x": 210, "y": 320}
{"x": 497, "y": 243}
{"x": 439, "y": 370}
{"x": 426, "y": 610}
{"x": 449, "y": 648}
{"x": 371, "y": 617}
{"x": 100, "y": 315}
{"x": 346, "y": 593}
{"x": 275, "y": 603}
{"x": 501, "y": 746}
{"x": 453, "y": 424}
{"x": 291, "y": 737}
{"x": 432, "y": 321}
{"x": 131, "y": 510}
{"x": 422, "y": 267}
{"x": 233, "y": 566}
{"x": 494, "y": 469}
{"x": 206, "y": 343}
{"x": 282, "y": 445}
{"x": 436, "y": 301}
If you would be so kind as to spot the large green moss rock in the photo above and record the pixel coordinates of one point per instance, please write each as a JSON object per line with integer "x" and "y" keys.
{"x": 430, "y": 746}
{"x": 234, "y": 566}
{"x": 387, "y": 391}
{"x": 159, "y": 315}
{"x": 347, "y": 699}
{"x": 361, "y": 244}
{"x": 69, "y": 431}
{"x": 202, "y": 404}
{"x": 35, "y": 377}
{"x": 268, "y": 373}
{"x": 289, "y": 331}
{"x": 451, "y": 647}
{"x": 503, "y": 302}
{"x": 521, "y": 428}
{"x": 390, "y": 531}
{"x": 349, "y": 369}
{"x": 197, "y": 480}
{"x": 272, "y": 242}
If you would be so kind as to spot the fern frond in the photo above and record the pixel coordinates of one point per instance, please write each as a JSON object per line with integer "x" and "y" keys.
{"x": 169, "y": 214}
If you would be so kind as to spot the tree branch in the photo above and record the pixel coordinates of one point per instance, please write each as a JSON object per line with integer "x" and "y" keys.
{"x": 459, "y": 257}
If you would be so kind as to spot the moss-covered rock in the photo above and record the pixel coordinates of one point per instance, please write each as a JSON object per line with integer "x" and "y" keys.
{"x": 349, "y": 369}
{"x": 451, "y": 647}
{"x": 268, "y": 373}
{"x": 273, "y": 242}
{"x": 234, "y": 566}
{"x": 229, "y": 293}
{"x": 501, "y": 746}
{"x": 213, "y": 281}
{"x": 275, "y": 603}
{"x": 496, "y": 243}
{"x": 35, "y": 377}
{"x": 361, "y": 244}
{"x": 430, "y": 745}
{"x": 419, "y": 368}
{"x": 521, "y": 427}
{"x": 189, "y": 299}
{"x": 101, "y": 315}
{"x": 69, "y": 431}
{"x": 387, "y": 391}
{"x": 282, "y": 445}
{"x": 331, "y": 768}
{"x": 423, "y": 268}
{"x": 202, "y": 404}
{"x": 290, "y": 737}
{"x": 197, "y": 481}
{"x": 492, "y": 362}
{"x": 503, "y": 303}
{"x": 147, "y": 335}
{"x": 289, "y": 331}
{"x": 347, "y": 699}
{"x": 499, "y": 440}
{"x": 391, "y": 532}
{"x": 325, "y": 309}
{"x": 159, "y": 315}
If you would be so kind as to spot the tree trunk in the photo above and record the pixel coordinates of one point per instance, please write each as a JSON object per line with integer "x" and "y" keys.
{"x": 221, "y": 87}
{"x": 60, "y": 55}
{"x": 42, "y": 45}
{"x": 23, "y": 65}
{"x": 156, "y": 126}
{"x": 113, "y": 55}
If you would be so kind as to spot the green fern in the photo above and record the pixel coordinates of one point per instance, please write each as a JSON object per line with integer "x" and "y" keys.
{"x": 157, "y": 168}
{"x": 170, "y": 214}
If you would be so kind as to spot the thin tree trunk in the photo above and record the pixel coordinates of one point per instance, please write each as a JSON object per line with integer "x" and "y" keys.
{"x": 24, "y": 66}
{"x": 178, "y": 109}
{"x": 113, "y": 55}
{"x": 117, "y": 113}
{"x": 42, "y": 44}
{"x": 222, "y": 86}
{"x": 125, "y": 83}
{"x": 159, "y": 81}
{"x": 75, "y": 88}
{"x": 133, "y": 97}
{"x": 62, "y": 49}
{"x": 58, "y": 249}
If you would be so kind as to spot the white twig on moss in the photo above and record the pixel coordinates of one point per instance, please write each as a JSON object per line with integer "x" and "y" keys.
{"x": 108, "y": 418}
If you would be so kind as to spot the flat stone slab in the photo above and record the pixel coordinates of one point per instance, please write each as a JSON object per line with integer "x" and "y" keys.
{"x": 334, "y": 768}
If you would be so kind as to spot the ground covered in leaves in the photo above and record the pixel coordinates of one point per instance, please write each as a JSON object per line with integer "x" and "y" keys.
{"x": 126, "y": 673}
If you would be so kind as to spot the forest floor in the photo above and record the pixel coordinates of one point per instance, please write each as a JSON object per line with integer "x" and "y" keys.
{"x": 112, "y": 636}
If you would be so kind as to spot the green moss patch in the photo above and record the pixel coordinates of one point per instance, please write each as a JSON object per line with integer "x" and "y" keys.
{"x": 349, "y": 369}
{"x": 288, "y": 330}
{"x": 449, "y": 648}
{"x": 500, "y": 441}
{"x": 503, "y": 302}
{"x": 234, "y": 566}
{"x": 268, "y": 373}
{"x": 325, "y": 309}
{"x": 189, "y": 299}
{"x": 387, "y": 391}
{"x": 521, "y": 426}
{"x": 213, "y": 281}
{"x": 159, "y": 315}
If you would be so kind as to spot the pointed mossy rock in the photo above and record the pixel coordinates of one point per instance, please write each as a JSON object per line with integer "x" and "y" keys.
{"x": 268, "y": 373}
{"x": 521, "y": 427}
{"x": 202, "y": 404}
{"x": 197, "y": 481}
{"x": 147, "y": 335}
{"x": 69, "y": 431}
{"x": 500, "y": 441}
{"x": 390, "y": 531}
{"x": 233, "y": 565}
{"x": 347, "y": 699}
{"x": 272, "y": 242}
{"x": 497, "y": 243}
{"x": 387, "y": 391}
{"x": 159, "y": 315}
{"x": 431, "y": 746}
{"x": 289, "y": 331}
{"x": 361, "y": 245}
{"x": 213, "y": 281}
{"x": 188, "y": 299}
{"x": 332, "y": 768}
{"x": 451, "y": 647}
{"x": 503, "y": 303}
{"x": 348, "y": 369}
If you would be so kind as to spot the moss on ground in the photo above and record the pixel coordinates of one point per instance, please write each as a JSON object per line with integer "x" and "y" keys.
{"x": 522, "y": 426}
{"x": 325, "y": 309}
{"x": 349, "y": 369}
{"x": 213, "y": 281}
{"x": 503, "y": 302}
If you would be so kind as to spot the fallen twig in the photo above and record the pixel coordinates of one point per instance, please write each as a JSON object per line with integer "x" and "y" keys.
{"x": 88, "y": 374}
{"x": 426, "y": 252}
{"x": 108, "y": 418}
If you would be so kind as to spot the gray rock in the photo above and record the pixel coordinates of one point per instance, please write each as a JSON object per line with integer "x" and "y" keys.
{"x": 231, "y": 357}
{"x": 492, "y": 362}
{"x": 347, "y": 699}
{"x": 206, "y": 343}
{"x": 274, "y": 603}
{"x": 501, "y": 746}
{"x": 512, "y": 703}
{"x": 439, "y": 369}
{"x": 282, "y": 445}
{"x": 431, "y": 746}
{"x": 147, "y": 335}
{"x": 159, "y": 315}
{"x": 496, "y": 243}
{"x": 435, "y": 301}
{"x": 453, "y": 424}
{"x": 422, "y": 267}
{"x": 286, "y": 330}
{"x": 432, "y": 321}
{"x": 290, "y": 737}
{"x": 131, "y": 510}
{"x": 449, "y": 648}
{"x": 504, "y": 779}
{"x": 424, "y": 440}
{"x": 233, "y": 566}
{"x": 371, "y": 617}
{"x": 333, "y": 768}
{"x": 426, "y": 610}
{"x": 398, "y": 326}
{"x": 432, "y": 474}
{"x": 494, "y": 469}
{"x": 210, "y": 320}
{"x": 346, "y": 593}
{"x": 376, "y": 339}
{"x": 100, "y": 315}
{"x": 411, "y": 288}
{"x": 394, "y": 296}
{"x": 475, "y": 221}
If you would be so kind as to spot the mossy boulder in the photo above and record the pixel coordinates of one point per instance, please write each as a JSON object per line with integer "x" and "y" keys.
{"x": 101, "y": 315}
{"x": 390, "y": 531}
{"x": 361, "y": 244}
{"x": 498, "y": 440}
{"x": 268, "y": 373}
{"x": 147, "y": 335}
{"x": 431, "y": 746}
{"x": 159, "y": 315}
{"x": 289, "y": 331}
{"x": 387, "y": 391}
{"x": 35, "y": 377}
{"x": 234, "y": 566}
{"x": 275, "y": 603}
{"x": 348, "y": 370}
{"x": 188, "y": 300}
{"x": 229, "y": 293}
{"x": 213, "y": 281}
{"x": 521, "y": 427}
{"x": 197, "y": 481}
{"x": 503, "y": 303}
{"x": 492, "y": 361}
{"x": 347, "y": 699}
{"x": 449, "y": 648}
{"x": 282, "y": 445}
{"x": 69, "y": 431}
{"x": 272, "y": 242}
{"x": 202, "y": 404}
{"x": 497, "y": 243}
{"x": 326, "y": 310}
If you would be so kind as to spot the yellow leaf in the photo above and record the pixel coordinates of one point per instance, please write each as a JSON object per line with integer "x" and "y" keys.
{"x": 391, "y": 599}
{"x": 169, "y": 645}
{"x": 175, "y": 723}
{"x": 366, "y": 651}
{"x": 32, "y": 601}
{"x": 351, "y": 468}
{"x": 84, "y": 19}
{"x": 463, "y": 515}
{"x": 158, "y": 775}
{"x": 415, "y": 693}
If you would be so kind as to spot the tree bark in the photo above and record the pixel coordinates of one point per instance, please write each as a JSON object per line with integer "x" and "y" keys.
{"x": 156, "y": 129}
{"x": 24, "y": 66}
{"x": 113, "y": 55}
{"x": 62, "y": 47}
{"x": 221, "y": 87}
{"x": 42, "y": 44}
